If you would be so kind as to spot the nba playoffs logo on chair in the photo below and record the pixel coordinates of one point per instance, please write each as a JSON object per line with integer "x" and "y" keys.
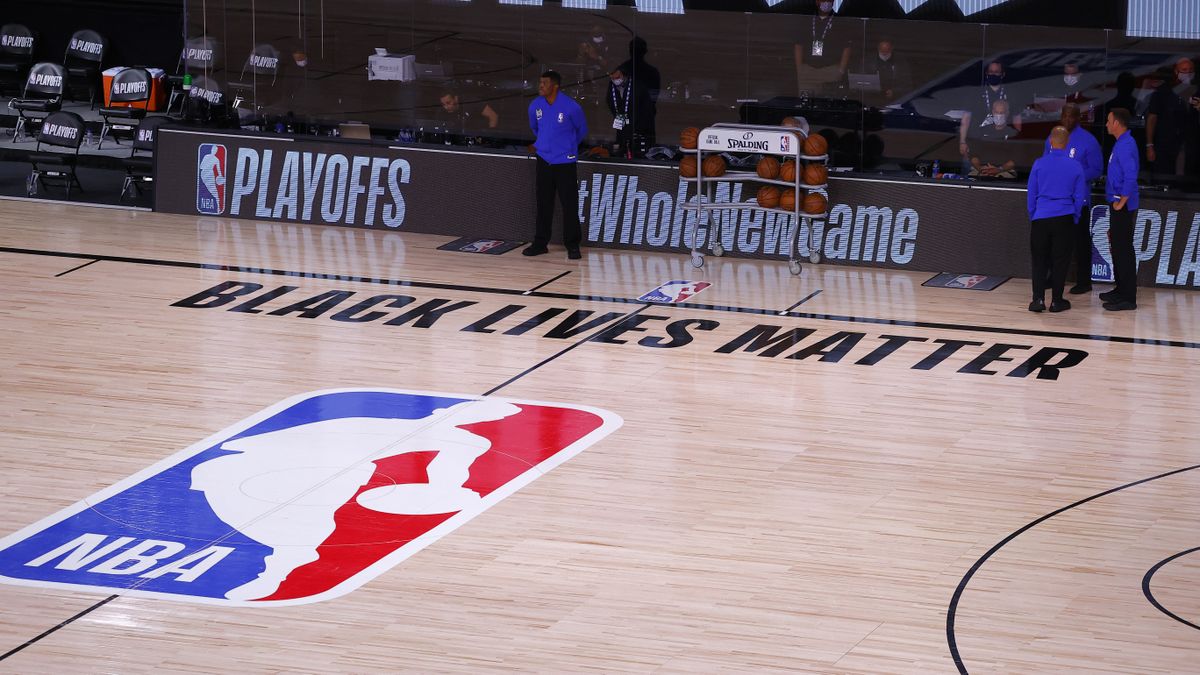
{"x": 210, "y": 179}
{"x": 303, "y": 501}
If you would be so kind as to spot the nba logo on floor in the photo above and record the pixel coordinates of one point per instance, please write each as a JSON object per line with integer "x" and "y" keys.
{"x": 304, "y": 501}
{"x": 210, "y": 179}
{"x": 674, "y": 291}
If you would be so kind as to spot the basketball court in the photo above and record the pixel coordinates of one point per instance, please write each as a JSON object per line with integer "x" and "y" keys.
{"x": 844, "y": 471}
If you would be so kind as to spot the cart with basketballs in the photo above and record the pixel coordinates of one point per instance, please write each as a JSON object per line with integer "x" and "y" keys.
{"x": 802, "y": 176}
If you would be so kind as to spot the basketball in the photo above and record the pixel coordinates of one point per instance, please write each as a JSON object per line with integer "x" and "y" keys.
{"x": 688, "y": 137}
{"x": 815, "y": 145}
{"x": 599, "y": 151}
{"x": 815, "y": 174}
{"x": 714, "y": 165}
{"x": 768, "y": 196}
{"x": 687, "y": 166}
{"x": 814, "y": 203}
{"x": 787, "y": 172}
{"x": 788, "y": 199}
{"x": 768, "y": 167}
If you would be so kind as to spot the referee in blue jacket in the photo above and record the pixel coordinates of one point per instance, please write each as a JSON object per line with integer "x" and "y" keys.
{"x": 1082, "y": 147}
{"x": 1121, "y": 192}
{"x": 559, "y": 126}
{"x": 1056, "y": 196}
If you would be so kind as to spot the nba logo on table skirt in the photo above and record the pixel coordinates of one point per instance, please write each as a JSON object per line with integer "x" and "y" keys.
{"x": 210, "y": 179}
{"x": 304, "y": 501}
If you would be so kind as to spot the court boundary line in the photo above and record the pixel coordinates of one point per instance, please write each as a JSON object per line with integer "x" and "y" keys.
{"x": 37, "y": 638}
{"x": 952, "y": 610}
{"x": 843, "y": 318}
{"x": 1146, "y": 590}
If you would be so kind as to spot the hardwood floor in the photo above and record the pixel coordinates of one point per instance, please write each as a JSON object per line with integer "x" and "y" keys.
{"x": 807, "y": 490}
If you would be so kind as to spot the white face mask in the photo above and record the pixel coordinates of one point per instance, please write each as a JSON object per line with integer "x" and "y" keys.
{"x": 618, "y": 83}
{"x": 302, "y": 62}
{"x": 1186, "y": 78}
{"x": 826, "y": 7}
{"x": 1071, "y": 80}
{"x": 885, "y": 57}
{"x": 598, "y": 39}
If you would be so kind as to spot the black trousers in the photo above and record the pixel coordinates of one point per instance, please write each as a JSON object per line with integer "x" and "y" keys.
{"x": 1120, "y": 237}
{"x": 1083, "y": 247}
{"x": 1050, "y": 243}
{"x": 560, "y": 180}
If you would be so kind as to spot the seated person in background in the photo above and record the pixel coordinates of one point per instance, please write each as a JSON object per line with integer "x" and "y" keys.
{"x": 467, "y": 120}
{"x": 894, "y": 77}
{"x": 991, "y": 154}
{"x": 977, "y": 114}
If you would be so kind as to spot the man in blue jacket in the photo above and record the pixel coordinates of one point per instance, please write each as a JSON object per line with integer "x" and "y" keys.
{"x": 559, "y": 126}
{"x": 1056, "y": 197}
{"x": 1082, "y": 147}
{"x": 1121, "y": 193}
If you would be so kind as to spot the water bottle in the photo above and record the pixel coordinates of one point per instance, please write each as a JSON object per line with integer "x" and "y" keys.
{"x": 187, "y": 81}
{"x": 937, "y": 169}
{"x": 87, "y": 136}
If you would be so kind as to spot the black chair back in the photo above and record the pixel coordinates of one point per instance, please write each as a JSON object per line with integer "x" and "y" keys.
{"x": 86, "y": 46}
{"x": 146, "y": 131}
{"x": 264, "y": 60}
{"x": 16, "y": 42}
{"x": 64, "y": 129}
{"x": 130, "y": 85}
{"x": 208, "y": 90}
{"x": 46, "y": 80}
{"x": 200, "y": 53}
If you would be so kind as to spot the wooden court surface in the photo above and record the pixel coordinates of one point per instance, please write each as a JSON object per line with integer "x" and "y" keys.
{"x": 753, "y": 512}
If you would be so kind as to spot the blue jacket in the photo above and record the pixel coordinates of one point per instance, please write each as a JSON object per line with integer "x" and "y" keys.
{"x": 1056, "y": 187}
{"x": 1123, "y": 172}
{"x": 1083, "y": 147}
{"x": 559, "y": 128}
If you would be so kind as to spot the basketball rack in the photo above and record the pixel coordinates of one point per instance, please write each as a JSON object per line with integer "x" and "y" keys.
{"x": 725, "y": 137}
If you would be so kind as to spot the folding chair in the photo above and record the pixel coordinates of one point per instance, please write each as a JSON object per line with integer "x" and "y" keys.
{"x": 262, "y": 62}
{"x": 139, "y": 170}
{"x": 85, "y": 52}
{"x": 199, "y": 57}
{"x": 130, "y": 86}
{"x": 64, "y": 130}
{"x": 42, "y": 96}
{"x": 16, "y": 55}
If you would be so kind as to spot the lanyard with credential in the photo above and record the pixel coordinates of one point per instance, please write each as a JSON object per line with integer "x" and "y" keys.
{"x": 818, "y": 46}
{"x": 617, "y": 101}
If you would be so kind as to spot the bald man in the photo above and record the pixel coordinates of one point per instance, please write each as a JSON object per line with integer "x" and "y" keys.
{"x": 1056, "y": 196}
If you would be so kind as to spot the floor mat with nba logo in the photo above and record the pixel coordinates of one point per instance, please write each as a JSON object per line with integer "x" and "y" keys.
{"x": 472, "y": 245}
{"x": 971, "y": 282}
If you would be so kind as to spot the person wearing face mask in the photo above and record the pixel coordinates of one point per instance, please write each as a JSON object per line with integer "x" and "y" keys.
{"x": 633, "y": 114}
{"x": 894, "y": 77}
{"x": 992, "y": 152}
{"x": 822, "y": 52}
{"x": 1171, "y": 122}
{"x": 1082, "y": 147}
{"x": 977, "y": 117}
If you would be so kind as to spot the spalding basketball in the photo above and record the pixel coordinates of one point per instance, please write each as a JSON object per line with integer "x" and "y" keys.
{"x": 815, "y": 145}
{"x": 815, "y": 174}
{"x": 768, "y": 167}
{"x": 768, "y": 196}
{"x": 687, "y": 166}
{"x": 787, "y": 200}
{"x": 688, "y": 137}
{"x": 714, "y": 165}
{"x": 787, "y": 172}
{"x": 814, "y": 203}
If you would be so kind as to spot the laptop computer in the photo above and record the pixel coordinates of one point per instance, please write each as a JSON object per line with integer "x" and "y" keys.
{"x": 433, "y": 71}
{"x": 354, "y": 130}
{"x": 864, "y": 81}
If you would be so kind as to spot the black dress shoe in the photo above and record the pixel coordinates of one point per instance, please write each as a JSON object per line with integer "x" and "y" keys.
{"x": 1120, "y": 305}
{"x": 574, "y": 254}
{"x": 1080, "y": 289}
{"x": 1038, "y": 305}
{"x": 535, "y": 250}
{"x": 1110, "y": 296}
{"x": 1060, "y": 305}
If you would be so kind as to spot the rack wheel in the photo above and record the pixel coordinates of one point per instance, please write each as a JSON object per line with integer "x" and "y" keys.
{"x": 794, "y": 267}
{"x": 814, "y": 257}
{"x": 697, "y": 260}
{"x": 717, "y": 249}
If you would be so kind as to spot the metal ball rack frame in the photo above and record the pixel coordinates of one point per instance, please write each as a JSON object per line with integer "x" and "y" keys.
{"x": 752, "y": 139}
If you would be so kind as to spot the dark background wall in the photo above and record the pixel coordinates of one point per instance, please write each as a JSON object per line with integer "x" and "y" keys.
{"x": 139, "y": 32}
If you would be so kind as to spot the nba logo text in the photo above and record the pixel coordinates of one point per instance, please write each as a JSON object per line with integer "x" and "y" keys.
{"x": 678, "y": 290}
{"x": 303, "y": 501}
{"x": 210, "y": 179}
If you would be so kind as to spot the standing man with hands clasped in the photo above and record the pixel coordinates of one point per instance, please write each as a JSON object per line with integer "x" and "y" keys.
{"x": 1056, "y": 197}
{"x": 559, "y": 126}
{"x": 1121, "y": 193}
